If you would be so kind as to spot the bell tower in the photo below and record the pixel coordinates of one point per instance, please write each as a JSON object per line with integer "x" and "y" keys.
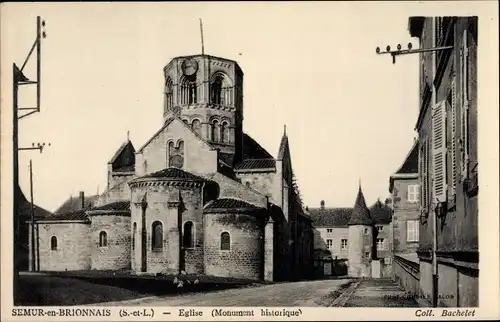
{"x": 206, "y": 92}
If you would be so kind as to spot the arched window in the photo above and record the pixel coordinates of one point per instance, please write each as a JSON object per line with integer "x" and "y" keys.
{"x": 192, "y": 93}
{"x": 53, "y": 243}
{"x": 134, "y": 232}
{"x": 185, "y": 121}
{"x": 196, "y": 125}
{"x": 188, "y": 235}
{"x": 103, "y": 239}
{"x": 215, "y": 131}
{"x": 169, "y": 93}
{"x": 224, "y": 132}
{"x": 157, "y": 240}
{"x": 225, "y": 241}
{"x": 216, "y": 90}
{"x": 176, "y": 154}
{"x": 189, "y": 91}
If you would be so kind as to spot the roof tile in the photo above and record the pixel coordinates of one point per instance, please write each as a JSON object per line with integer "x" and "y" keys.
{"x": 360, "y": 214}
{"x": 256, "y": 164}
{"x": 330, "y": 217}
{"x": 117, "y": 206}
{"x": 71, "y": 216}
{"x": 174, "y": 173}
{"x": 230, "y": 203}
{"x": 410, "y": 165}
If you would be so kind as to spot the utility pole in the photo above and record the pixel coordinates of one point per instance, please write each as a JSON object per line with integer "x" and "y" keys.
{"x": 19, "y": 79}
{"x": 33, "y": 245}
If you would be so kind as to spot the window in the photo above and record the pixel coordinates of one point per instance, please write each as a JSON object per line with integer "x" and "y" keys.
{"x": 103, "y": 239}
{"x": 343, "y": 244}
{"x": 157, "y": 240}
{"x": 134, "y": 233}
{"x": 329, "y": 230}
{"x": 439, "y": 193}
{"x": 413, "y": 193}
{"x": 367, "y": 254}
{"x": 176, "y": 154}
{"x": 225, "y": 241}
{"x": 216, "y": 90}
{"x": 224, "y": 132}
{"x": 329, "y": 243}
{"x": 188, "y": 91}
{"x": 215, "y": 131}
{"x": 380, "y": 244}
{"x": 380, "y": 228}
{"x": 196, "y": 126}
{"x": 387, "y": 261}
{"x": 412, "y": 227}
{"x": 53, "y": 243}
{"x": 187, "y": 235}
{"x": 169, "y": 94}
{"x": 365, "y": 231}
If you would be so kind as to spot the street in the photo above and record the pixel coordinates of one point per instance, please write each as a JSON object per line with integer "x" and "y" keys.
{"x": 304, "y": 293}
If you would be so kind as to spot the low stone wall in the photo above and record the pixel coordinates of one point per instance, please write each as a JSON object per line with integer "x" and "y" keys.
{"x": 407, "y": 274}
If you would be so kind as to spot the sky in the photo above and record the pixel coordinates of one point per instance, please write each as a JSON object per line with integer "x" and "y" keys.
{"x": 349, "y": 113}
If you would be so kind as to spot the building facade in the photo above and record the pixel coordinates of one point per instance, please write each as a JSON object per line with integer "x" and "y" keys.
{"x": 353, "y": 241}
{"x": 448, "y": 164}
{"x": 404, "y": 186}
{"x": 200, "y": 196}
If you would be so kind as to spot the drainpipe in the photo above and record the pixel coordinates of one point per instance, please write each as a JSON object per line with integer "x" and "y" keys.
{"x": 436, "y": 210}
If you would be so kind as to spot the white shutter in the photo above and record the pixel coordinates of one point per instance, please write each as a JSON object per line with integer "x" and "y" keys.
{"x": 465, "y": 105}
{"x": 453, "y": 143}
{"x": 439, "y": 152}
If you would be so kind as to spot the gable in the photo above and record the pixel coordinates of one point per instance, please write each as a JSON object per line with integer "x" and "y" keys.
{"x": 124, "y": 158}
{"x": 197, "y": 154}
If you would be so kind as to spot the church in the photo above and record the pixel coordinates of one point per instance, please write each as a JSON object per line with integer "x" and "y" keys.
{"x": 200, "y": 196}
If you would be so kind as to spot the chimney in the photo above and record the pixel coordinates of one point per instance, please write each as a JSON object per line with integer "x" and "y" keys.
{"x": 322, "y": 204}
{"x": 82, "y": 199}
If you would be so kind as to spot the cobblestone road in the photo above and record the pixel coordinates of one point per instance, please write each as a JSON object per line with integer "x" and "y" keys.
{"x": 304, "y": 293}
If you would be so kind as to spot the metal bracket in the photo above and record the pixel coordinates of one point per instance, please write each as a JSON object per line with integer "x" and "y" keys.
{"x": 400, "y": 51}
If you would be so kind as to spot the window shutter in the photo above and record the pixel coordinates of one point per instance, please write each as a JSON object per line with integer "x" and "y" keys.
{"x": 453, "y": 145}
{"x": 439, "y": 151}
{"x": 465, "y": 106}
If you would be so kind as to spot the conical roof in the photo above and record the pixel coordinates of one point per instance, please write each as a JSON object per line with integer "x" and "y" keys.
{"x": 360, "y": 214}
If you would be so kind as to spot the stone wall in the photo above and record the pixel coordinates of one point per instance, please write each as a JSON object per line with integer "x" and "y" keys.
{"x": 73, "y": 246}
{"x": 159, "y": 208}
{"x": 407, "y": 274}
{"x": 360, "y": 251}
{"x": 230, "y": 188}
{"x": 387, "y": 235}
{"x": 336, "y": 235}
{"x": 403, "y": 212}
{"x": 245, "y": 257}
{"x": 262, "y": 182}
{"x": 116, "y": 254}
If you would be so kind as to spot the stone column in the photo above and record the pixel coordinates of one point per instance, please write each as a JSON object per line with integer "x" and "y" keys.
{"x": 173, "y": 238}
{"x": 144, "y": 248}
{"x": 269, "y": 251}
